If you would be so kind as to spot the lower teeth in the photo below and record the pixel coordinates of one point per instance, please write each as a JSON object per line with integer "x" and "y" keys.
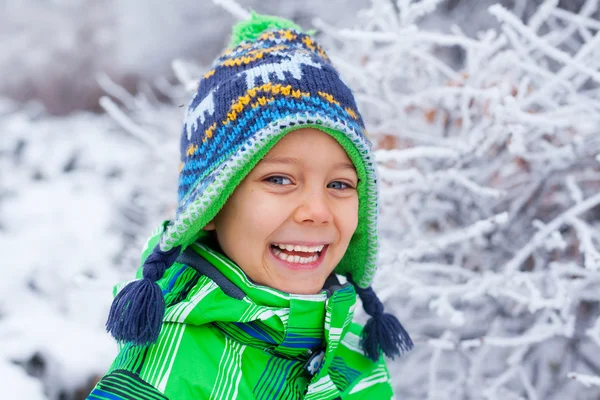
{"x": 294, "y": 259}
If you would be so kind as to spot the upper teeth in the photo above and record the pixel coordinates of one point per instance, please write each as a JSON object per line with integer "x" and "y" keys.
{"x": 305, "y": 249}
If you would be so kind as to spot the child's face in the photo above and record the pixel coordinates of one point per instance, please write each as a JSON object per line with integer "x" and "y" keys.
{"x": 303, "y": 193}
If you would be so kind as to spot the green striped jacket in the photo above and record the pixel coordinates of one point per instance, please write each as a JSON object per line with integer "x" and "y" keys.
{"x": 224, "y": 337}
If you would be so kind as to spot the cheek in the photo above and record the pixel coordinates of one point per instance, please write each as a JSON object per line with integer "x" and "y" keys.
{"x": 262, "y": 214}
{"x": 348, "y": 219}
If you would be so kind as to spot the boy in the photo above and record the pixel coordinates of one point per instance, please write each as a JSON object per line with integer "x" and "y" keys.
{"x": 238, "y": 296}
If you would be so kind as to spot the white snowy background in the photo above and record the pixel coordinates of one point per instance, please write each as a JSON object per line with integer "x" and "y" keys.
{"x": 486, "y": 121}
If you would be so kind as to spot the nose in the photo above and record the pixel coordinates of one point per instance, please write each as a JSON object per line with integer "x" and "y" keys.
{"x": 314, "y": 208}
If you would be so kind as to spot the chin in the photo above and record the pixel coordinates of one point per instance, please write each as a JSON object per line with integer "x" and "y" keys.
{"x": 300, "y": 288}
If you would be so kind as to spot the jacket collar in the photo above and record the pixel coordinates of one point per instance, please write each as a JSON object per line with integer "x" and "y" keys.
{"x": 285, "y": 324}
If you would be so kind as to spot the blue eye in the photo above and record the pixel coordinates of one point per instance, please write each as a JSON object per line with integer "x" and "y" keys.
{"x": 279, "y": 180}
{"x": 339, "y": 185}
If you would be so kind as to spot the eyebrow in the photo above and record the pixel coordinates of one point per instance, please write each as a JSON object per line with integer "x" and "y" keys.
{"x": 279, "y": 160}
{"x": 344, "y": 165}
{"x": 290, "y": 160}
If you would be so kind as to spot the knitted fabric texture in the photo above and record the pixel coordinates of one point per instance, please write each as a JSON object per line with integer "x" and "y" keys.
{"x": 275, "y": 82}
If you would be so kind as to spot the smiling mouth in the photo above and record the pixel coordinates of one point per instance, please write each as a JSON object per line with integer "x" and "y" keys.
{"x": 299, "y": 255}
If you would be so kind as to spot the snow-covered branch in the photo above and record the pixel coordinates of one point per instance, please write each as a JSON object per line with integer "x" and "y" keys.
{"x": 490, "y": 194}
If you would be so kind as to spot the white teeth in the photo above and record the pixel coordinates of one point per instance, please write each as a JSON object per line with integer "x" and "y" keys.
{"x": 294, "y": 259}
{"x": 304, "y": 249}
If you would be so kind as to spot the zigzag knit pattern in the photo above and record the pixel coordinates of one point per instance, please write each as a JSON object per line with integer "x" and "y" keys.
{"x": 283, "y": 73}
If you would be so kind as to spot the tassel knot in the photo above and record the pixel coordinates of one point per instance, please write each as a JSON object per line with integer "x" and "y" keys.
{"x": 157, "y": 263}
{"x": 137, "y": 311}
{"x": 382, "y": 332}
{"x": 371, "y": 303}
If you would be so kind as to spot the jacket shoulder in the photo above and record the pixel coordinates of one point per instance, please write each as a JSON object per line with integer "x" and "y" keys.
{"x": 366, "y": 379}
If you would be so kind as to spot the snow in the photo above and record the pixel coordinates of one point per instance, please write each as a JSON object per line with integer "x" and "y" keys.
{"x": 489, "y": 195}
{"x": 489, "y": 171}
{"x": 21, "y": 385}
{"x": 133, "y": 41}
{"x": 68, "y": 208}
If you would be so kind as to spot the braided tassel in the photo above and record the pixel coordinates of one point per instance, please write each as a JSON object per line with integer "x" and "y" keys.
{"x": 137, "y": 311}
{"x": 383, "y": 331}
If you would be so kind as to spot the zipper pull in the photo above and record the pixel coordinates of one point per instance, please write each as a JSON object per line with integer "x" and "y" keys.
{"x": 315, "y": 362}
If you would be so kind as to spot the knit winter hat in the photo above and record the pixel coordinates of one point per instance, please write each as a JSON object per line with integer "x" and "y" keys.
{"x": 272, "y": 80}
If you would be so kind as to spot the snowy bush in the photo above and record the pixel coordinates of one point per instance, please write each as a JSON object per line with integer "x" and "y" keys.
{"x": 489, "y": 191}
{"x": 54, "y": 49}
{"x": 77, "y": 195}
{"x": 490, "y": 203}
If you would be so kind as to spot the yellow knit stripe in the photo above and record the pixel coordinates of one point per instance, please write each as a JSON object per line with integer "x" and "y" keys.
{"x": 288, "y": 35}
{"x": 322, "y": 52}
{"x": 309, "y": 42}
{"x": 268, "y": 88}
{"x": 351, "y": 112}
{"x": 270, "y": 35}
{"x": 191, "y": 149}
{"x": 329, "y": 98}
{"x": 262, "y": 101}
{"x": 251, "y": 56}
{"x": 209, "y": 132}
{"x": 256, "y": 54}
{"x": 332, "y": 100}
{"x": 283, "y": 33}
{"x": 239, "y": 47}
